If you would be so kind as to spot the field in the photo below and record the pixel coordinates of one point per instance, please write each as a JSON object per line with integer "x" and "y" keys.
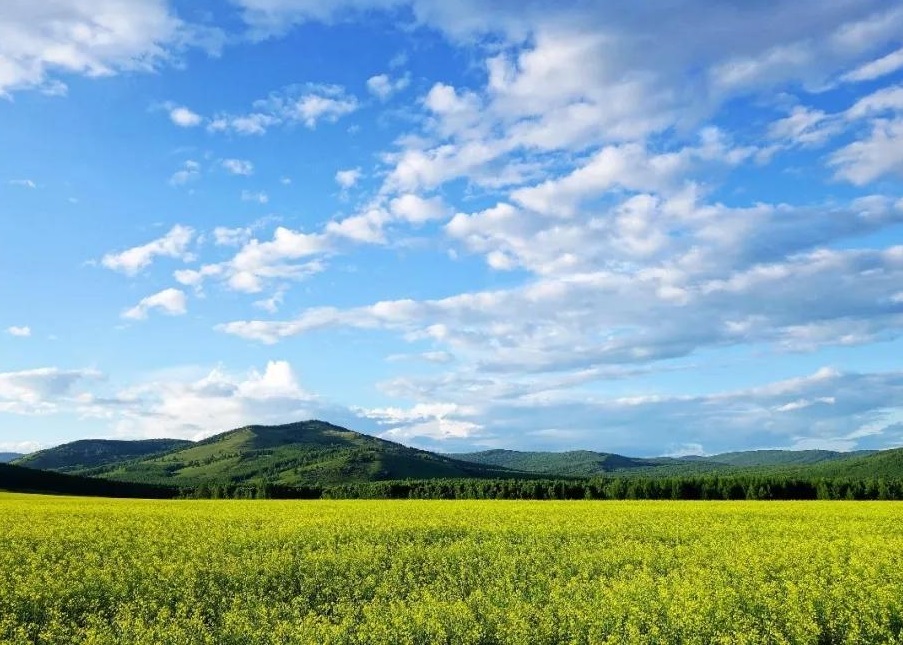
{"x": 223, "y": 572}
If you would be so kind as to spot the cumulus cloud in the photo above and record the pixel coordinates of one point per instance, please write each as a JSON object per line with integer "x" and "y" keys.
{"x": 41, "y": 42}
{"x": 185, "y": 118}
{"x": 309, "y": 104}
{"x": 383, "y": 86}
{"x": 42, "y": 390}
{"x": 238, "y": 166}
{"x": 20, "y": 332}
{"x": 348, "y": 178}
{"x": 194, "y": 408}
{"x": 175, "y": 244}
{"x": 289, "y": 256}
{"x": 169, "y": 301}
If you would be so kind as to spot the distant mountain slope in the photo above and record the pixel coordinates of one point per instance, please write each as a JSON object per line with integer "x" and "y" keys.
{"x": 783, "y": 457}
{"x": 6, "y": 457}
{"x": 576, "y": 463}
{"x": 18, "y": 479}
{"x": 885, "y": 464}
{"x": 87, "y": 454}
{"x": 805, "y": 463}
{"x": 294, "y": 454}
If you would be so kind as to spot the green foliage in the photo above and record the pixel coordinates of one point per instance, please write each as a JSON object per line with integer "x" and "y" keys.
{"x": 584, "y": 463}
{"x": 298, "y": 458}
{"x": 79, "y": 456}
{"x": 28, "y": 480}
{"x": 258, "y": 573}
{"x": 297, "y": 454}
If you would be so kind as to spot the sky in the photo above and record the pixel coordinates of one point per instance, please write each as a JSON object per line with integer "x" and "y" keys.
{"x": 655, "y": 228}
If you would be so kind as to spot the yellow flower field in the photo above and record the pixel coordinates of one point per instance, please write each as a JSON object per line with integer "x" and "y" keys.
{"x": 245, "y": 572}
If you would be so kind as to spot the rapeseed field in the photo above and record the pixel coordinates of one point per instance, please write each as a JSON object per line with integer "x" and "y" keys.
{"x": 403, "y": 572}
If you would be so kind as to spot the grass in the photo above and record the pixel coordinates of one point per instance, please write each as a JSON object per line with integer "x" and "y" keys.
{"x": 99, "y": 571}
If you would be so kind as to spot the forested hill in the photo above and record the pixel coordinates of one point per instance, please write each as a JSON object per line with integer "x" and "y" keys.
{"x": 309, "y": 452}
{"x": 28, "y": 480}
{"x": 317, "y": 453}
{"x": 6, "y": 457}
{"x": 93, "y": 453}
{"x": 783, "y": 457}
{"x": 576, "y": 463}
{"x": 583, "y": 463}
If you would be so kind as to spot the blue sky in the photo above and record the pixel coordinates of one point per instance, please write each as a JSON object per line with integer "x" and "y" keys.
{"x": 666, "y": 229}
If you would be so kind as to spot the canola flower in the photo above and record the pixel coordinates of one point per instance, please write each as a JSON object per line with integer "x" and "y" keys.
{"x": 410, "y": 572}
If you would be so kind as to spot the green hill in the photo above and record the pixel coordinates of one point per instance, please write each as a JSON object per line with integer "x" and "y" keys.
{"x": 804, "y": 463}
{"x": 310, "y": 452}
{"x": 884, "y": 464}
{"x": 576, "y": 463}
{"x": 6, "y": 457}
{"x": 87, "y": 454}
{"x": 783, "y": 457}
{"x": 17, "y": 479}
{"x": 319, "y": 453}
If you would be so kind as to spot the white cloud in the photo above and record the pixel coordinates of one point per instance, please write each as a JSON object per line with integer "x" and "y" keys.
{"x": 804, "y": 127}
{"x": 42, "y": 390}
{"x": 43, "y": 41}
{"x": 171, "y": 302}
{"x": 225, "y": 236}
{"x": 174, "y": 244}
{"x": 878, "y": 155}
{"x": 309, "y": 104}
{"x": 313, "y": 108}
{"x": 254, "y": 196}
{"x": 185, "y": 118}
{"x": 215, "y": 402}
{"x": 20, "y": 332}
{"x": 257, "y": 263}
{"x": 887, "y": 99}
{"x": 272, "y": 303}
{"x": 189, "y": 172}
{"x": 383, "y": 87}
{"x": 417, "y": 210}
{"x": 238, "y": 166}
{"x": 348, "y": 178}
{"x": 24, "y": 183}
{"x": 254, "y": 123}
{"x": 876, "y": 69}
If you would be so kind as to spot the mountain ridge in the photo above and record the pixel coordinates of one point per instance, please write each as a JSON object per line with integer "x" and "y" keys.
{"x": 318, "y": 452}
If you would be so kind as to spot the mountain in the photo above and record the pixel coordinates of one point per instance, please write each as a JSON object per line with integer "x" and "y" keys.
{"x": 93, "y": 453}
{"x": 884, "y": 463}
{"x": 576, "y": 463}
{"x": 310, "y": 452}
{"x": 6, "y": 457}
{"x": 584, "y": 463}
{"x": 319, "y": 453}
{"x": 783, "y": 457}
{"x": 18, "y": 479}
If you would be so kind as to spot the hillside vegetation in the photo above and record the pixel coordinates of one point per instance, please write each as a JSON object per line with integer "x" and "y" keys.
{"x": 27, "y": 480}
{"x": 317, "y": 459}
{"x": 93, "y": 453}
{"x": 585, "y": 463}
{"x": 296, "y": 454}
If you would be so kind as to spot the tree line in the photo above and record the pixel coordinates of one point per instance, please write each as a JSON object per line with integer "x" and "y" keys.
{"x": 733, "y": 487}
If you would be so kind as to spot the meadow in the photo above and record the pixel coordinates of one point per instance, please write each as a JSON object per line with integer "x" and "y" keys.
{"x": 105, "y": 571}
